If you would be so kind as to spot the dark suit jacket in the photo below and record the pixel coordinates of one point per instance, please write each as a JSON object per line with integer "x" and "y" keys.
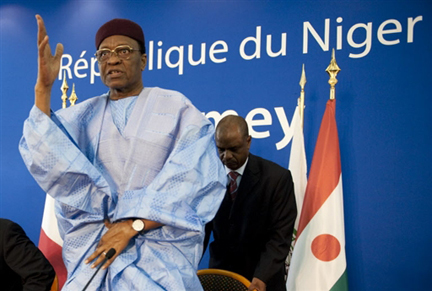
{"x": 22, "y": 264}
{"x": 252, "y": 236}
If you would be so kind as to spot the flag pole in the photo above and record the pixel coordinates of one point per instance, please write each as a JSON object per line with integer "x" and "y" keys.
{"x": 302, "y": 97}
{"x": 333, "y": 69}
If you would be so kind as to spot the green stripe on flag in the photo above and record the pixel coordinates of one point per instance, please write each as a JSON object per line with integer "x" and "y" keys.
{"x": 341, "y": 284}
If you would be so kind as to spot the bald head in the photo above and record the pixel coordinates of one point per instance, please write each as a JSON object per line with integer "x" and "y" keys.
{"x": 233, "y": 141}
{"x": 230, "y": 122}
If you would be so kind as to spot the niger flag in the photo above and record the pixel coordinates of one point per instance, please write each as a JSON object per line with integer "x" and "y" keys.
{"x": 50, "y": 242}
{"x": 319, "y": 261}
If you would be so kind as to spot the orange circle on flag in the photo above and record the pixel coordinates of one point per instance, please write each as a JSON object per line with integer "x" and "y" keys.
{"x": 326, "y": 247}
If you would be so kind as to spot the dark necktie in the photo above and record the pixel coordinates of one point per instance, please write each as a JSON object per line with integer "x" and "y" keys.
{"x": 233, "y": 184}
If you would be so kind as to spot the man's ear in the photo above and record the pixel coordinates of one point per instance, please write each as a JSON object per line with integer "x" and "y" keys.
{"x": 143, "y": 61}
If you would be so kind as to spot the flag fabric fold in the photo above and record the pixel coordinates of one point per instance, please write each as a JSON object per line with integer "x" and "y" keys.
{"x": 319, "y": 261}
{"x": 297, "y": 162}
{"x": 298, "y": 168}
{"x": 50, "y": 242}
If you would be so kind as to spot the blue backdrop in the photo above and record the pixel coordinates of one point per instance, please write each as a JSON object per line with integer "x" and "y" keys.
{"x": 247, "y": 56}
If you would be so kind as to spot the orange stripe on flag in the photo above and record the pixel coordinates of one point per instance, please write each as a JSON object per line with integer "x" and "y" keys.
{"x": 53, "y": 252}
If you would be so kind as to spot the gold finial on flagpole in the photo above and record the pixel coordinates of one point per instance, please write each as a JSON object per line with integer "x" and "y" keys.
{"x": 73, "y": 97}
{"x": 333, "y": 69}
{"x": 302, "y": 97}
{"x": 64, "y": 88}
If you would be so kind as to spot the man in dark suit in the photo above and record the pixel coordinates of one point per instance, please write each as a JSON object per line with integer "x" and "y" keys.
{"x": 253, "y": 227}
{"x": 22, "y": 264}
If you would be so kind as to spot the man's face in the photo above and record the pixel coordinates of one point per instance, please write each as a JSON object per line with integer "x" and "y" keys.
{"x": 233, "y": 147}
{"x": 119, "y": 74}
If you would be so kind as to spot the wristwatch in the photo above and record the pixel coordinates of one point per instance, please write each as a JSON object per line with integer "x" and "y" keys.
{"x": 138, "y": 225}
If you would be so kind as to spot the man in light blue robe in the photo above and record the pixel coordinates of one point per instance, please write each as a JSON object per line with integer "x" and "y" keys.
{"x": 133, "y": 154}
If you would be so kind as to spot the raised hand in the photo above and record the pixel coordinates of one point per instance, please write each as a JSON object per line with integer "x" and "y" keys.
{"x": 48, "y": 68}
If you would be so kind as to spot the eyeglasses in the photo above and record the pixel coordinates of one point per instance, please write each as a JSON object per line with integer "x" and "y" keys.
{"x": 122, "y": 51}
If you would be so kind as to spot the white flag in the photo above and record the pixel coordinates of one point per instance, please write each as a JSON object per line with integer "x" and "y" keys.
{"x": 298, "y": 168}
{"x": 297, "y": 163}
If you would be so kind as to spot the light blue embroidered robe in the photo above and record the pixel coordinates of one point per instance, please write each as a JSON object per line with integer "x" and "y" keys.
{"x": 164, "y": 168}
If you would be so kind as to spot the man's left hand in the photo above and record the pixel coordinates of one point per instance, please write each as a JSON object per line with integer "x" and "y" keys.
{"x": 257, "y": 284}
{"x": 117, "y": 237}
